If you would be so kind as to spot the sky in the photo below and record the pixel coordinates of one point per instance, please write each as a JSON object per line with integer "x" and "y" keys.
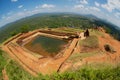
{"x": 12, "y": 10}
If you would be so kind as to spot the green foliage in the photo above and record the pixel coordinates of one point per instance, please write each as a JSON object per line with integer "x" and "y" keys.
{"x": 90, "y": 42}
{"x": 96, "y": 32}
{"x": 15, "y": 72}
{"x": 79, "y": 56}
{"x": 108, "y": 30}
{"x": 68, "y": 30}
{"x": 2, "y": 63}
{"x": 13, "y": 33}
{"x": 88, "y": 73}
{"x": 24, "y": 29}
{"x": 50, "y": 21}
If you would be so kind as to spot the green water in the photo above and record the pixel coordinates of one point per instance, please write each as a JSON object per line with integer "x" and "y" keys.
{"x": 46, "y": 45}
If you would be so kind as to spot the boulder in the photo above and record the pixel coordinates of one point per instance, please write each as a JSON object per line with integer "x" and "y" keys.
{"x": 109, "y": 48}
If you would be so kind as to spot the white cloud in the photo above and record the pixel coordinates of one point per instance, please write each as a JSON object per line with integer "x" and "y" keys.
{"x": 20, "y": 6}
{"x": 107, "y": 7}
{"x": 3, "y": 17}
{"x": 117, "y": 14}
{"x": 78, "y": 6}
{"x": 14, "y": 0}
{"x": 25, "y": 10}
{"x": 7, "y": 18}
{"x": 95, "y": 8}
{"x": 97, "y": 4}
{"x": 83, "y": 2}
{"x": 82, "y": 7}
{"x": 47, "y": 6}
{"x": 102, "y": 15}
{"x": 9, "y": 13}
{"x": 16, "y": 16}
{"x": 111, "y": 5}
{"x": 37, "y": 7}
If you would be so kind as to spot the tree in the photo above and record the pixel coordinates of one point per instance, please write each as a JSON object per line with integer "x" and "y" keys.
{"x": 25, "y": 29}
{"x": 13, "y": 33}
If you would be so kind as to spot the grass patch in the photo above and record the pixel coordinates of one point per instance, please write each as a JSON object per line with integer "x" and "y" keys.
{"x": 68, "y": 30}
{"x": 3, "y": 62}
{"x": 79, "y": 56}
{"x": 15, "y": 72}
{"x": 100, "y": 65}
{"x": 88, "y": 73}
{"x": 96, "y": 32}
{"x": 90, "y": 42}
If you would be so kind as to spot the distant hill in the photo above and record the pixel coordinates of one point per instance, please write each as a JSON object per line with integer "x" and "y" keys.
{"x": 54, "y": 20}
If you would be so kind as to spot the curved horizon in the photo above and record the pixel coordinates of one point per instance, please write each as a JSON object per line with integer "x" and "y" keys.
{"x": 108, "y": 10}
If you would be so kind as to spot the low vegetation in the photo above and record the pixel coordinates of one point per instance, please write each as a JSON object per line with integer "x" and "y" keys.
{"x": 79, "y": 56}
{"x": 15, "y": 72}
{"x": 96, "y": 32}
{"x": 68, "y": 30}
{"x": 54, "y": 21}
{"x": 90, "y": 42}
{"x": 2, "y": 62}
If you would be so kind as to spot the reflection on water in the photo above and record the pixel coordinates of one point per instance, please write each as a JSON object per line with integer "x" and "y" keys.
{"x": 46, "y": 46}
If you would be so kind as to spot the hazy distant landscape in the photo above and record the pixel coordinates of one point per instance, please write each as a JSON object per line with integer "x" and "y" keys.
{"x": 55, "y": 20}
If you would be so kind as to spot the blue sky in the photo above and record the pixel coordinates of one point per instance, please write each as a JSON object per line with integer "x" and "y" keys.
{"x": 12, "y": 10}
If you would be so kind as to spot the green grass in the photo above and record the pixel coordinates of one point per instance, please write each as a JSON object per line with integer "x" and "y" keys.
{"x": 96, "y": 33}
{"x": 90, "y": 42}
{"x": 100, "y": 65}
{"x": 68, "y": 30}
{"x": 3, "y": 62}
{"x": 16, "y": 72}
{"x": 79, "y": 56}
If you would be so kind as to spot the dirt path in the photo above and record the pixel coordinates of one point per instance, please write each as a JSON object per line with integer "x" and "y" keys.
{"x": 5, "y": 76}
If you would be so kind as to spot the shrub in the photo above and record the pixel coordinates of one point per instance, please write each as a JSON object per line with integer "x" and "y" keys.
{"x": 2, "y": 63}
{"x": 15, "y": 72}
{"x": 25, "y": 29}
{"x": 90, "y": 42}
